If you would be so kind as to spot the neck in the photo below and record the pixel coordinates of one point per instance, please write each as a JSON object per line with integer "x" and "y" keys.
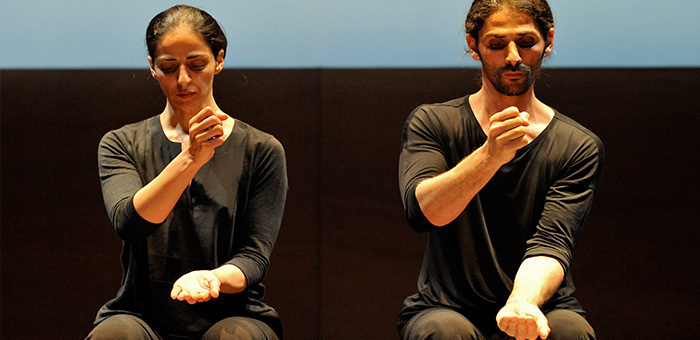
{"x": 491, "y": 101}
{"x": 488, "y": 101}
{"x": 175, "y": 117}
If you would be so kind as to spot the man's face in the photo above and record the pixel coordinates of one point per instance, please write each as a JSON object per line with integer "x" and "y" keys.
{"x": 511, "y": 49}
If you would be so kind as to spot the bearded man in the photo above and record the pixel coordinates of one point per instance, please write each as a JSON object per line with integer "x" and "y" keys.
{"x": 502, "y": 184}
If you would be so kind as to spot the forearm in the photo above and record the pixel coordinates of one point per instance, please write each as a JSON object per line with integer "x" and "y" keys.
{"x": 156, "y": 199}
{"x": 231, "y": 278}
{"x": 444, "y": 197}
{"x": 536, "y": 281}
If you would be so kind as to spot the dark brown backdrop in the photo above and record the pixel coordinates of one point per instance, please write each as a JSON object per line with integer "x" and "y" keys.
{"x": 345, "y": 258}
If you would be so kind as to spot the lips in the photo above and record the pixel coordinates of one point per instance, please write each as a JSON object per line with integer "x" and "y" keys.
{"x": 513, "y": 74}
{"x": 186, "y": 94}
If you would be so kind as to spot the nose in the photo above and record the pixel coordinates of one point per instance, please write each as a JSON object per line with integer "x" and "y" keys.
{"x": 513, "y": 57}
{"x": 183, "y": 78}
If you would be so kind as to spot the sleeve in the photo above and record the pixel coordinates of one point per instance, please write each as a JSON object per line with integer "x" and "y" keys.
{"x": 260, "y": 223}
{"x": 422, "y": 157}
{"x": 567, "y": 204}
{"x": 120, "y": 181}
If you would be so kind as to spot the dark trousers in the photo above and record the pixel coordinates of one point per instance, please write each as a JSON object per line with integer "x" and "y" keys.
{"x": 443, "y": 323}
{"x": 129, "y": 327}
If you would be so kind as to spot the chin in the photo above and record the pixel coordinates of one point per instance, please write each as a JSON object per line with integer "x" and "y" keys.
{"x": 186, "y": 103}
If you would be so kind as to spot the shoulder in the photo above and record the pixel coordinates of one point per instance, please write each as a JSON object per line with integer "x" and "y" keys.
{"x": 256, "y": 137}
{"x": 129, "y": 134}
{"x": 448, "y": 105}
{"x": 449, "y": 114}
{"x": 446, "y": 109}
{"x": 576, "y": 140}
{"x": 258, "y": 144}
{"x": 575, "y": 131}
{"x": 131, "y": 131}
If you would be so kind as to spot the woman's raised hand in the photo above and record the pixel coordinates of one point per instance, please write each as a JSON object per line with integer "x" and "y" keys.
{"x": 206, "y": 132}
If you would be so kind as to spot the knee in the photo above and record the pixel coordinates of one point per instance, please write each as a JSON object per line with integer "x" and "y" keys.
{"x": 568, "y": 325}
{"x": 122, "y": 327}
{"x": 440, "y": 324}
{"x": 240, "y": 328}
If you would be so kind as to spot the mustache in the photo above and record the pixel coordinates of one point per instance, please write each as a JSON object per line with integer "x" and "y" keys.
{"x": 517, "y": 68}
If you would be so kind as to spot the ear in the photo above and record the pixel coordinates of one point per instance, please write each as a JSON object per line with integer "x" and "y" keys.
{"x": 153, "y": 69}
{"x": 219, "y": 62}
{"x": 549, "y": 42}
{"x": 473, "y": 47}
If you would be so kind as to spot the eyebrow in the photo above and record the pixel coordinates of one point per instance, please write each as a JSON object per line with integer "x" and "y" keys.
{"x": 188, "y": 58}
{"x": 501, "y": 36}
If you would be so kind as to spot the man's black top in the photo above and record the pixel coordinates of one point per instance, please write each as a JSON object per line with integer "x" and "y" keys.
{"x": 535, "y": 205}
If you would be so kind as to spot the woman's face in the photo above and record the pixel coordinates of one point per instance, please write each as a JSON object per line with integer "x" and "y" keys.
{"x": 185, "y": 68}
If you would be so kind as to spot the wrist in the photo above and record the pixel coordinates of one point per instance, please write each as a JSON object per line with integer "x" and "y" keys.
{"x": 488, "y": 159}
{"x": 519, "y": 300}
{"x": 232, "y": 278}
{"x": 187, "y": 162}
{"x": 523, "y": 295}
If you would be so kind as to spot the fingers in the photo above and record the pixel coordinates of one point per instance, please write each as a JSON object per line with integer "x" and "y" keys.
{"x": 206, "y": 127}
{"x": 208, "y": 113}
{"x": 197, "y": 286}
{"x": 507, "y": 133}
{"x": 222, "y": 116}
{"x": 206, "y": 132}
{"x": 509, "y": 119}
{"x": 525, "y": 117}
{"x": 543, "y": 332}
{"x": 203, "y": 113}
{"x": 191, "y": 297}
{"x": 522, "y": 328}
{"x": 543, "y": 327}
{"x": 523, "y": 322}
{"x": 175, "y": 292}
{"x": 214, "y": 288}
{"x": 507, "y": 114}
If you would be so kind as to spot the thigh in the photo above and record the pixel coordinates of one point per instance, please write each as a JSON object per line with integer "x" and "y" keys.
{"x": 123, "y": 327}
{"x": 240, "y": 328}
{"x": 568, "y": 325}
{"x": 440, "y": 323}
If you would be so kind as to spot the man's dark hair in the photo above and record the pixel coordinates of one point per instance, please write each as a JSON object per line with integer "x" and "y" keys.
{"x": 483, "y": 9}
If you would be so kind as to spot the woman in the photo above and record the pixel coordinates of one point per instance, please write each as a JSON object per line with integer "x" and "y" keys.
{"x": 197, "y": 198}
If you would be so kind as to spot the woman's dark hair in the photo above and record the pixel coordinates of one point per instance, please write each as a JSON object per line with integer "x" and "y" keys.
{"x": 483, "y": 9}
{"x": 198, "y": 20}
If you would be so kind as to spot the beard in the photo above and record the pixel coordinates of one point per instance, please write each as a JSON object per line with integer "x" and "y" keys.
{"x": 510, "y": 87}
